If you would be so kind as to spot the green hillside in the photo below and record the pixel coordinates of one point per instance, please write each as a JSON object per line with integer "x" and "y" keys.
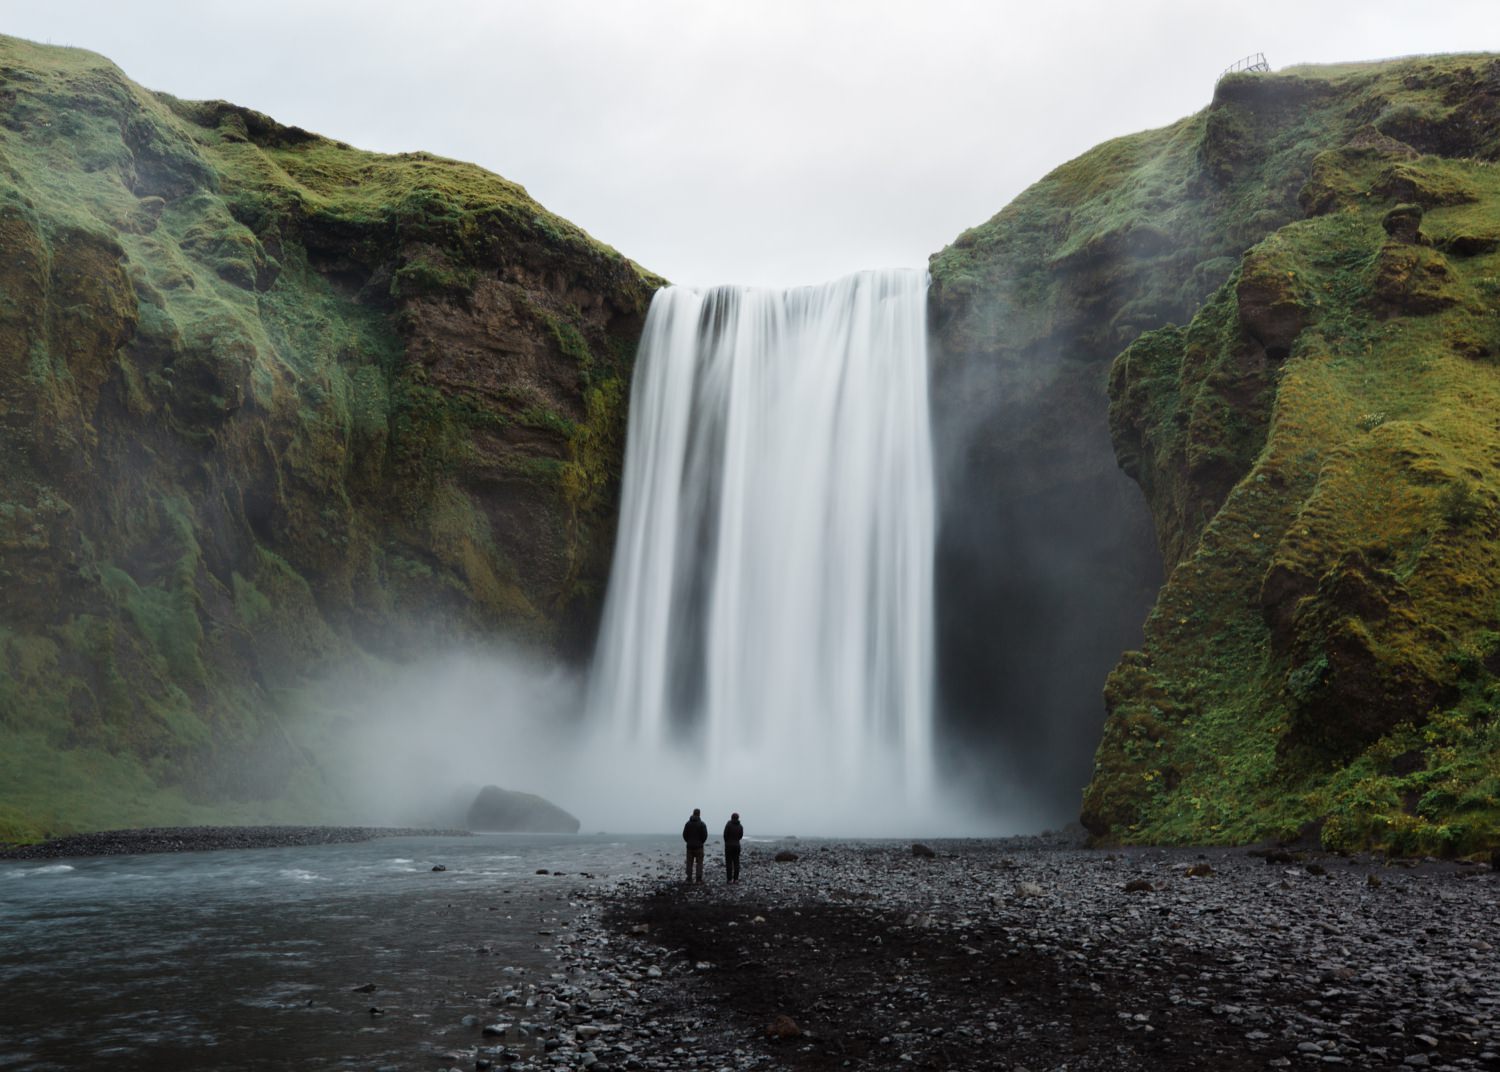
{"x": 268, "y": 403}
{"x": 1302, "y": 287}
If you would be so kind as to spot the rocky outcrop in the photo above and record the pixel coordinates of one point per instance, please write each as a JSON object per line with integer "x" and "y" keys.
{"x": 1289, "y": 292}
{"x": 268, "y": 401}
{"x": 497, "y": 810}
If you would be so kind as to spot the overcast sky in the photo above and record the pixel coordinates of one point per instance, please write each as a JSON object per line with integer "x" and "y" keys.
{"x": 769, "y": 142}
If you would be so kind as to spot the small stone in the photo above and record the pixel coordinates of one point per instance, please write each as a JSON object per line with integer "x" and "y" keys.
{"x": 783, "y": 1027}
{"x": 495, "y": 1030}
{"x": 1028, "y": 889}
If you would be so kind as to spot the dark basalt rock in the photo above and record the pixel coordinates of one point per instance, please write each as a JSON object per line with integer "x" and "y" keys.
{"x": 502, "y": 810}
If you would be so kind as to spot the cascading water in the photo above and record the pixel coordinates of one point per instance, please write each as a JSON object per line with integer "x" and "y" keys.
{"x": 770, "y": 607}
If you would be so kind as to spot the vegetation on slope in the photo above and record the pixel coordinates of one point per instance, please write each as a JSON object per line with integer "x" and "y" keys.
{"x": 267, "y": 401}
{"x": 1317, "y": 445}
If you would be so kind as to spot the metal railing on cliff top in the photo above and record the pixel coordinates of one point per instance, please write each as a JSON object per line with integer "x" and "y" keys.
{"x": 1253, "y": 62}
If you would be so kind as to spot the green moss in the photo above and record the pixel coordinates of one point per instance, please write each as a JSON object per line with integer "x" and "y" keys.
{"x": 1303, "y": 645}
{"x": 241, "y": 440}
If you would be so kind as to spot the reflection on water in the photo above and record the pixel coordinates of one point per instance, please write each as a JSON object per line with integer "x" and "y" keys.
{"x": 249, "y": 959}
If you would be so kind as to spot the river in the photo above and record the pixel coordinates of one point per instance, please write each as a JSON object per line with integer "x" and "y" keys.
{"x": 251, "y": 959}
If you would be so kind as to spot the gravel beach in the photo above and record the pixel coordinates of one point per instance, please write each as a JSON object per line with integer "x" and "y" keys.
{"x": 1019, "y": 954}
{"x": 205, "y": 839}
{"x": 1028, "y": 954}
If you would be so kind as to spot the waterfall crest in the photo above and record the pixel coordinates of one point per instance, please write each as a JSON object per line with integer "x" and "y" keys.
{"x": 771, "y": 602}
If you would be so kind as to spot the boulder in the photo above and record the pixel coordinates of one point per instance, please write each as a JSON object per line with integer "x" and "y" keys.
{"x": 506, "y": 811}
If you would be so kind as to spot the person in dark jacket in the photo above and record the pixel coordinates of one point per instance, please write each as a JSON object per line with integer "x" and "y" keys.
{"x": 695, "y": 833}
{"x": 733, "y": 834}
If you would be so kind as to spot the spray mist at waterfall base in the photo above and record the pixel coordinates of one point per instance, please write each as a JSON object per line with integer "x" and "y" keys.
{"x": 412, "y": 745}
{"x": 767, "y": 638}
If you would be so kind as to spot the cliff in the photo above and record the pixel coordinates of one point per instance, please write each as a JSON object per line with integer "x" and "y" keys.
{"x": 1294, "y": 296}
{"x": 268, "y": 402}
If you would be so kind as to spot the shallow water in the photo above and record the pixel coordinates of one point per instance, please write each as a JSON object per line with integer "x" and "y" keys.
{"x": 248, "y": 959}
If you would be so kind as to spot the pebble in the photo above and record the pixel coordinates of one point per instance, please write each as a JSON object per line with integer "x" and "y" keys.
{"x": 1329, "y": 970}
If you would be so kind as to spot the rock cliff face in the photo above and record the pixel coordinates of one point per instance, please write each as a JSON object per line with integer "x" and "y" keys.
{"x": 268, "y": 401}
{"x": 1316, "y": 442}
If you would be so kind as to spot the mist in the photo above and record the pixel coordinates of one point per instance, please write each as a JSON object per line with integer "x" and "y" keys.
{"x": 413, "y": 744}
{"x": 1047, "y": 566}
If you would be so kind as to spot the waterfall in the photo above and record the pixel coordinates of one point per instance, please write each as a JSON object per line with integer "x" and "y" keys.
{"x": 770, "y": 609}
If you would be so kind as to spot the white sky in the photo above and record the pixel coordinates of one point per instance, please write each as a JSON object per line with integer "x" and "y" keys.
{"x": 755, "y": 141}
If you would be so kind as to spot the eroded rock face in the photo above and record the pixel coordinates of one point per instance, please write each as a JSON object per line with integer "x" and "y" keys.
{"x": 1311, "y": 447}
{"x": 268, "y": 402}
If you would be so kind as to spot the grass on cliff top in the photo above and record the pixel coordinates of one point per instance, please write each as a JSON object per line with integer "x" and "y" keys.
{"x": 428, "y": 197}
{"x": 1165, "y": 214}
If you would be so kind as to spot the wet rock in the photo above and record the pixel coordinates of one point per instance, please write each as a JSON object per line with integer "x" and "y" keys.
{"x": 363, "y": 988}
{"x": 505, "y": 810}
{"x": 439, "y": 867}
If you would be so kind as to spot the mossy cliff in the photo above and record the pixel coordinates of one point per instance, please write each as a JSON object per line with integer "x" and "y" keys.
{"x": 266, "y": 402}
{"x": 1297, "y": 295}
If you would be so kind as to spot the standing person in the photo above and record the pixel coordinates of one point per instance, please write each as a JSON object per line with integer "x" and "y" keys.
{"x": 733, "y": 833}
{"x": 695, "y": 833}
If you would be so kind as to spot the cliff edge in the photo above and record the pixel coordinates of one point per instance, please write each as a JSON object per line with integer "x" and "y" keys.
{"x": 1294, "y": 293}
{"x": 268, "y": 402}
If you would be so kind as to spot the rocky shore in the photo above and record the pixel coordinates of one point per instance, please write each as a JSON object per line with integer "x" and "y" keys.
{"x": 1017, "y": 955}
{"x": 205, "y": 838}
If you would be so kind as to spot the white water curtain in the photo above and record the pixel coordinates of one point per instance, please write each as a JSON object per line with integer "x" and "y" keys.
{"x": 771, "y": 596}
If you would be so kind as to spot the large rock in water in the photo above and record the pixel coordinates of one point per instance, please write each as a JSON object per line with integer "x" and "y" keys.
{"x": 525, "y": 813}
